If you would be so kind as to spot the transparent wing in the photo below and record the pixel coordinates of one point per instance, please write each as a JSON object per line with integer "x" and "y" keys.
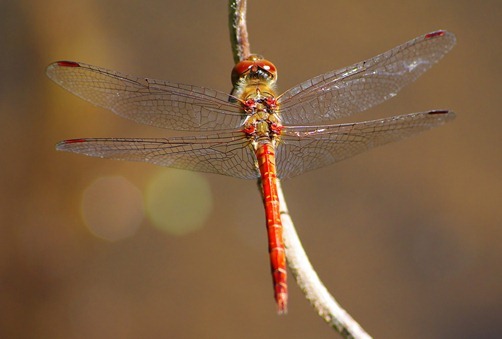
{"x": 302, "y": 148}
{"x": 358, "y": 87}
{"x": 147, "y": 101}
{"x": 307, "y": 148}
{"x": 226, "y": 153}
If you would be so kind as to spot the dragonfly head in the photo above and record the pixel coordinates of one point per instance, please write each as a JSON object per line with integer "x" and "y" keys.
{"x": 255, "y": 67}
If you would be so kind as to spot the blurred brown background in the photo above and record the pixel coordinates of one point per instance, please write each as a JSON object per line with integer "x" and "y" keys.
{"x": 407, "y": 236}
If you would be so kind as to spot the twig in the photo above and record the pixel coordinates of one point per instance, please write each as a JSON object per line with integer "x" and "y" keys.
{"x": 298, "y": 262}
{"x": 238, "y": 30}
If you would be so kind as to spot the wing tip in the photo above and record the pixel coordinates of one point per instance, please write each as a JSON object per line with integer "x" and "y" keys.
{"x": 435, "y": 34}
{"x": 441, "y": 33}
{"x": 441, "y": 111}
{"x": 63, "y": 145}
{"x": 445, "y": 114}
{"x": 65, "y": 63}
{"x": 61, "y": 63}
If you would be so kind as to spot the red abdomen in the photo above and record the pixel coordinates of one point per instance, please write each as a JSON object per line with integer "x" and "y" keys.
{"x": 265, "y": 154}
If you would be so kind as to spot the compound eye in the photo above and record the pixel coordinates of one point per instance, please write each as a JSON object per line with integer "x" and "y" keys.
{"x": 267, "y": 66}
{"x": 240, "y": 69}
{"x": 253, "y": 64}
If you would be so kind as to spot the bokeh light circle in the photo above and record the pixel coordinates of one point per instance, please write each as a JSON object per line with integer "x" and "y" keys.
{"x": 178, "y": 202}
{"x": 112, "y": 208}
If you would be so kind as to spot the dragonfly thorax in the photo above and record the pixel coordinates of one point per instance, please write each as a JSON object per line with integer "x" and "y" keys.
{"x": 262, "y": 123}
{"x": 261, "y": 107}
{"x": 262, "y": 126}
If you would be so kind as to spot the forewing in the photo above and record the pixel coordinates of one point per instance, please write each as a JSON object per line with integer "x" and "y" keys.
{"x": 225, "y": 153}
{"x": 358, "y": 87}
{"x": 148, "y": 101}
{"x": 310, "y": 147}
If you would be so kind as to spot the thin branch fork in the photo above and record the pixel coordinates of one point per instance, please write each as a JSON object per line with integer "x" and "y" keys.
{"x": 301, "y": 268}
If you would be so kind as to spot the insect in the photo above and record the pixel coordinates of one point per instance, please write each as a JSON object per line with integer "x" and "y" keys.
{"x": 254, "y": 133}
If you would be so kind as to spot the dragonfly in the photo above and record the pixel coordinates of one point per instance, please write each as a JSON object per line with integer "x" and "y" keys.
{"x": 254, "y": 133}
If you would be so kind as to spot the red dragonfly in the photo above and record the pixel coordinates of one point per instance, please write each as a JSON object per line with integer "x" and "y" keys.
{"x": 253, "y": 133}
